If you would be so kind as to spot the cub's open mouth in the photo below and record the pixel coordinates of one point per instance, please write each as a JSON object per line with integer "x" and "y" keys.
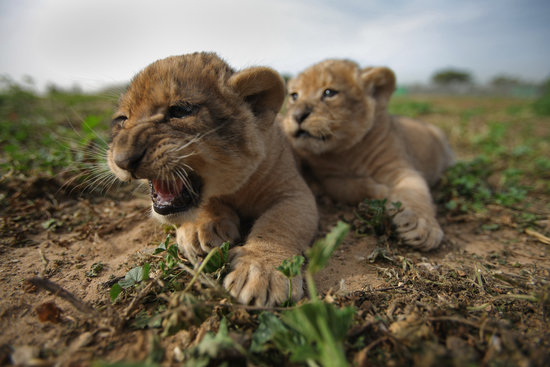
{"x": 170, "y": 197}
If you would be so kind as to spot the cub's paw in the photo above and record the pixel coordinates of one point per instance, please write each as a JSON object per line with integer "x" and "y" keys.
{"x": 254, "y": 279}
{"x": 197, "y": 239}
{"x": 422, "y": 232}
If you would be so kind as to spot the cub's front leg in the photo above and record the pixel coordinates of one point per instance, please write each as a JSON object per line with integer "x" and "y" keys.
{"x": 416, "y": 223}
{"x": 286, "y": 229}
{"x": 215, "y": 224}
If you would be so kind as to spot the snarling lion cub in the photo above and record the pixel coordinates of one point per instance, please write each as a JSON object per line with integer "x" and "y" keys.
{"x": 338, "y": 124}
{"x": 204, "y": 137}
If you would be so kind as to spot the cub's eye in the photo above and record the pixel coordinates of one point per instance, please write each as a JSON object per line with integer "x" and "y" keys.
{"x": 119, "y": 121}
{"x": 327, "y": 93}
{"x": 181, "y": 110}
{"x": 294, "y": 96}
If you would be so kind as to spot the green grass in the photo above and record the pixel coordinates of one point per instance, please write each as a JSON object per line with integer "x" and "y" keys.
{"x": 542, "y": 105}
{"x": 45, "y": 134}
{"x": 466, "y": 186}
{"x": 411, "y": 108}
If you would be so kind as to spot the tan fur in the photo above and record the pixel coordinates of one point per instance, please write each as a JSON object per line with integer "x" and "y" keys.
{"x": 231, "y": 152}
{"x": 338, "y": 124}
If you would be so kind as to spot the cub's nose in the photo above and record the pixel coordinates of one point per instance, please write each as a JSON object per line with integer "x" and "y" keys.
{"x": 301, "y": 115}
{"x": 129, "y": 160}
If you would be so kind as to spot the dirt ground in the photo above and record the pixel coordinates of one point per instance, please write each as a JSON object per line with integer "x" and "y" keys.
{"x": 49, "y": 233}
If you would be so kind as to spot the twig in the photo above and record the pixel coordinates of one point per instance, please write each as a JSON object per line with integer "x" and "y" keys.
{"x": 59, "y": 291}
{"x": 206, "y": 280}
{"x": 45, "y": 262}
{"x": 522, "y": 297}
{"x": 479, "y": 308}
{"x": 366, "y": 350}
{"x": 460, "y": 320}
{"x": 539, "y": 236}
{"x": 249, "y": 307}
{"x": 387, "y": 288}
{"x": 479, "y": 278}
{"x": 201, "y": 268}
{"x": 138, "y": 298}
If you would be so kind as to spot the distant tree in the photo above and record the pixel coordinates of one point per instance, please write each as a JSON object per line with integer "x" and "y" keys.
{"x": 51, "y": 88}
{"x": 76, "y": 89}
{"x": 451, "y": 76}
{"x": 505, "y": 81}
{"x": 514, "y": 86}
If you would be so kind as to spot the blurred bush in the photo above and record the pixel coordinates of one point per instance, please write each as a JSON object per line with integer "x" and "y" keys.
{"x": 452, "y": 76}
{"x": 542, "y": 105}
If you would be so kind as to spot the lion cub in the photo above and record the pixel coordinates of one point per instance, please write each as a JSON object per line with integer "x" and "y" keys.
{"x": 204, "y": 137}
{"x": 338, "y": 124}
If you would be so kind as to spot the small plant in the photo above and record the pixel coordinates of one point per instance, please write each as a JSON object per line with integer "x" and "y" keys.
{"x": 171, "y": 256}
{"x": 542, "y": 166}
{"x": 514, "y": 192}
{"x": 291, "y": 269}
{"x": 95, "y": 270}
{"x": 491, "y": 142}
{"x": 372, "y": 217}
{"x": 133, "y": 277}
{"x": 315, "y": 331}
{"x": 170, "y": 264}
{"x": 321, "y": 251}
{"x": 173, "y": 267}
{"x": 217, "y": 261}
{"x": 182, "y": 308}
{"x": 217, "y": 349}
{"x": 314, "y": 334}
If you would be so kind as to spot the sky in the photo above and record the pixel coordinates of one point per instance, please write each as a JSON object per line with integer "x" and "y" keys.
{"x": 103, "y": 42}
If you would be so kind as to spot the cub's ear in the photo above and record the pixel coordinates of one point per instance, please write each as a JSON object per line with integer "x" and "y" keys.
{"x": 379, "y": 83}
{"x": 261, "y": 87}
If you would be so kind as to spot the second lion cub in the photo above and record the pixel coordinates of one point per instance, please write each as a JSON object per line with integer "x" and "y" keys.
{"x": 338, "y": 124}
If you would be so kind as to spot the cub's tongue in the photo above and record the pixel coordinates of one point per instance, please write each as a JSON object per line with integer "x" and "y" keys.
{"x": 171, "y": 197}
{"x": 166, "y": 192}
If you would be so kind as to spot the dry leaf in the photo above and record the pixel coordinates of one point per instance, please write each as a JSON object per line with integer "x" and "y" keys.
{"x": 48, "y": 311}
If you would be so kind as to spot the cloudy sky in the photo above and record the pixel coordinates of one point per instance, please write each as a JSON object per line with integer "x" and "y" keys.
{"x": 97, "y": 42}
